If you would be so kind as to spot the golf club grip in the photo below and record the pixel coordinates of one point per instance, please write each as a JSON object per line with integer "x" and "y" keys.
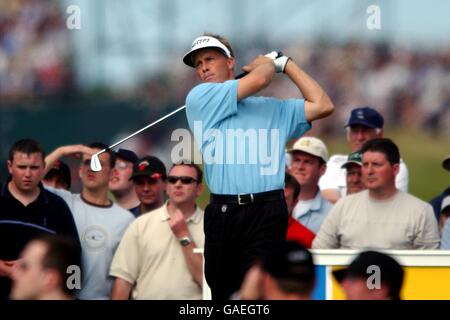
{"x": 243, "y": 74}
{"x": 273, "y": 55}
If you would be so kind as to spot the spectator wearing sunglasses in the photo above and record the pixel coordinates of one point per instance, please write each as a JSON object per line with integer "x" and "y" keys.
{"x": 149, "y": 177}
{"x": 155, "y": 259}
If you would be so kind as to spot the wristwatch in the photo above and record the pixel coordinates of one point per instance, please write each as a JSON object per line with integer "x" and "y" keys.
{"x": 185, "y": 241}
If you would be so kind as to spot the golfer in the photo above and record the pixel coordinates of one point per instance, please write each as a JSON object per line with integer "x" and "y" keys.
{"x": 242, "y": 140}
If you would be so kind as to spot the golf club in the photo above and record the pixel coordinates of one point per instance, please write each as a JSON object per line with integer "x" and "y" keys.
{"x": 95, "y": 161}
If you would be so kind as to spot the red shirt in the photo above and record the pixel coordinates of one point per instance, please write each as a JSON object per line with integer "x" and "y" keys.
{"x": 298, "y": 232}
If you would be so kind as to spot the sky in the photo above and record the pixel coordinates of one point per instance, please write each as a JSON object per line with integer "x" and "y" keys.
{"x": 121, "y": 42}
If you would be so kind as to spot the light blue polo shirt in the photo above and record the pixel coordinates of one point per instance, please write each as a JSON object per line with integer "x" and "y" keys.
{"x": 312, "y": 213}
{"x": 242, "y": 143}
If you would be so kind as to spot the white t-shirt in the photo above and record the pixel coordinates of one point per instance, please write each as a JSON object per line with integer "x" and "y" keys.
{"x": 335, "y": 176}
{"x": 100, "y": 230}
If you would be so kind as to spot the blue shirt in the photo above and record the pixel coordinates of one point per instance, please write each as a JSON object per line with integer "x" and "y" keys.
{"x": 445, "y": 239}
{"x": 312, "y": 214}
{"x": 437, "y": 202}
{"x": 242, "y": 143}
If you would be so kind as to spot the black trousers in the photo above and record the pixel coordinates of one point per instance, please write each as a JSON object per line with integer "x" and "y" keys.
{"x": 236, "y": 236}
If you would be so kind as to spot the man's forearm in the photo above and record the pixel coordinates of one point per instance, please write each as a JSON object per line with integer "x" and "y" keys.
{"x": 194, "y": 262}
{"x": 331, "y": 195}
{"x": 51, "y": 159}
{"x": 259, "y": 76}
{"x": 121, "y": 290}
{"x": 76, "y": 149}
{"x": 319, "y": 104}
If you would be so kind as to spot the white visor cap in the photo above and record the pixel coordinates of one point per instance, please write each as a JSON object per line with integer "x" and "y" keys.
{"x": 205, "y": 42}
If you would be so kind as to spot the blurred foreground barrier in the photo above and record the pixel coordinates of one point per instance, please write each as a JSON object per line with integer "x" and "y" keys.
{"x": 427, "y": 273}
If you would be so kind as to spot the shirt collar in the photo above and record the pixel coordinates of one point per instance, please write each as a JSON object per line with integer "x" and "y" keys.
{"x": 5, "y": 193}
{"x": 316, "y": 204}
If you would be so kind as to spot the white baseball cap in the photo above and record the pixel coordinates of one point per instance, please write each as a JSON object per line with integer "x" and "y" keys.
{"x": 311, "y": 145}
{"x": 205, "y": 42}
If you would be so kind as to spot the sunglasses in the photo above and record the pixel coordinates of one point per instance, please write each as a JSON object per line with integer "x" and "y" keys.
{"x": 183, "y": 179}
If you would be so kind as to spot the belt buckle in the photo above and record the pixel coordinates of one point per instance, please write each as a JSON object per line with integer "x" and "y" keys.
{"x": 240, "y": 202}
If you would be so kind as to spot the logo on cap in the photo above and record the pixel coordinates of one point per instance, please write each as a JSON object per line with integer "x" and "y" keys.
{"x": 144, "y": 164}
{"x": 305, "y": 142}
{"x": 360, "y": 114}
{"x": 200, "y": 41}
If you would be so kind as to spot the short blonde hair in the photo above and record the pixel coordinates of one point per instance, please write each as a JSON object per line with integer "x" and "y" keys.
{"x": 223, "y": 40}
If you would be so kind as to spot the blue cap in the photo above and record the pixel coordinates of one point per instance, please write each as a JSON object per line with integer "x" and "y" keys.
{"x": 126, "y": 155}
{"x": 367, "y": 117}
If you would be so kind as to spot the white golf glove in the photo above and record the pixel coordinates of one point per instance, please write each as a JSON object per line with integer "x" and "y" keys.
{"x": 279, "y": 59}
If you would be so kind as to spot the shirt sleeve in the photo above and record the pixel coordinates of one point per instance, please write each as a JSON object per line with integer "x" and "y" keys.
{"x": 67, "y": 225}
{"x": 402, "y": 178}
{"x": 64, "y": 194}
{"x": 126, "y": 262}
{"x": 428, "y": 232}
{"x": 328, "y": 235}
{"x": 211, "y": 103}
{"x": 293, "y": 116}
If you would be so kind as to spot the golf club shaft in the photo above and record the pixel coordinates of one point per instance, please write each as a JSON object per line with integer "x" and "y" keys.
{"x": 155, "y": 122}
{"x": 145, "y": 128}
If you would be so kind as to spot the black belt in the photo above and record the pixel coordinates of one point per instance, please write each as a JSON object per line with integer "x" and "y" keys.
{"x": 242, "y": 199}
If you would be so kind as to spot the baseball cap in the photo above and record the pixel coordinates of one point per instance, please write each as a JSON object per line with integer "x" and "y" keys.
{"x": 391, "y": 272}
{"x": 60, "y": 169}
{"x": 311, "y": 145}
{"x": 446, "y": 163}
{"x": 290, "y": 261}
{"x": 354, "y": 157}
{"x": 126, "y": 155}
{"x": 205, "y": 42}
{"x": 366, "y": 116}
{"x": 149, "y": 166}
{"x": 445, "y": 203}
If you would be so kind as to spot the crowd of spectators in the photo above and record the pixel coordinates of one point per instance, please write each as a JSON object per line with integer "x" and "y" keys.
{"x": 410, "y": 87}
{"x": 34, "y": 49}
